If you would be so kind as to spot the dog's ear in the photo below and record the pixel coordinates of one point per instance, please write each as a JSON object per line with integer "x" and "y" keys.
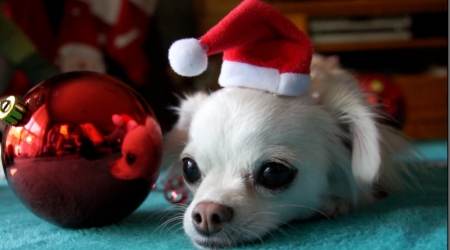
{"x": 357, "y": 117}
{"x": 175, "y": 140}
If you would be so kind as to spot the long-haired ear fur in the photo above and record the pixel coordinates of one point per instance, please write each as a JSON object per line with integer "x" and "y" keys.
{"x": 175, "y": 140}
{"x": 346, "y": 101}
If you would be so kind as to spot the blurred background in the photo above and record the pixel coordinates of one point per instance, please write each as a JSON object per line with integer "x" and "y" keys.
{"x": 396, "y": 48}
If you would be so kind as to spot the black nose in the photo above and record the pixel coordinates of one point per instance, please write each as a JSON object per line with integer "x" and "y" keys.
{"x": 209, "y": 217}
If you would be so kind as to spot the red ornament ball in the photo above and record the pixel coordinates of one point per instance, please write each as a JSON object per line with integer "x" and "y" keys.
{"x": 87, "y": 153}
{"x": 387, "y": 95}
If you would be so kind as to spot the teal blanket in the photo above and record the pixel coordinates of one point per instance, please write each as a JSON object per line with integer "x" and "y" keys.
{"x": 404, "y": 220}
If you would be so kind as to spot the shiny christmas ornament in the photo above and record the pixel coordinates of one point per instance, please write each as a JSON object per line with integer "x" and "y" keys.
{"x": 81, "y": 149}
{"x": 175, "y": 191}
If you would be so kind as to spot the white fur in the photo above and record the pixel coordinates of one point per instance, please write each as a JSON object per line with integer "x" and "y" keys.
{"x": 346, "y": 101}
{"x": 232, "y": 131}
{"x": 176, "y": 139}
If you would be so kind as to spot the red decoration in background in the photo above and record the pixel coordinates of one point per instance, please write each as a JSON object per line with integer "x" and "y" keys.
{"x": 125, "y": 41}
{"x": 115, "y": 29}
{"x": 383, "y": 91}
{"x": 77, "y": 25}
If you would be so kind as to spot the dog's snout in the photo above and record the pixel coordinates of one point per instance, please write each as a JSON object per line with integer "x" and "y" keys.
{"x": 209, "y": 217}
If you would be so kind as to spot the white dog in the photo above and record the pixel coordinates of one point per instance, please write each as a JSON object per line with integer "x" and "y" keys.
{"x": 256, "y": 161}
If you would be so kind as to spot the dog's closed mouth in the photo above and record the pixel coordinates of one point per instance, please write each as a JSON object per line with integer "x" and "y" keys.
{"x": 227, "y": 238}
{"x": 213, "y": 244}
{"x": 220, "y": 239}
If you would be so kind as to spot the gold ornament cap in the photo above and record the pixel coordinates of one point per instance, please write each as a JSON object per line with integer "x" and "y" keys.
{"x": 12, "y": 110}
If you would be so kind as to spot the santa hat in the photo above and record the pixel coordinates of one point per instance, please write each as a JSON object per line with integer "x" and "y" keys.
{"x": 261, "y": 48}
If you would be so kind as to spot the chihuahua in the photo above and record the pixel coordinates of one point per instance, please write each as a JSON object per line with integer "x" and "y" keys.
{"x": 255, "y": 161}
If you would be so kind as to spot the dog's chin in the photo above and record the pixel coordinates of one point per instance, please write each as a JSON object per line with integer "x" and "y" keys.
{"x": 223, "y": 240}
{"x": 220, "y": 239}
{"x": 218, "y": 244}
{"x": 211, "y": 244}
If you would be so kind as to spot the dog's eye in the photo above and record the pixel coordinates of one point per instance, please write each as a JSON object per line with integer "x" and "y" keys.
{"x": 191, "y": 172}
{"x": 275, "y": 175}
{"x": 130, "y": 158}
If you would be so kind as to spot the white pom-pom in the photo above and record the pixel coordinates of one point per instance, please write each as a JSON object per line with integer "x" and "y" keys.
{"x": 187, "y": 57}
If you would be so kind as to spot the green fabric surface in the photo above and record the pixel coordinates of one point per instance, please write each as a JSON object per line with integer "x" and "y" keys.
{"x": 14, "y": 44}
{"x": 37, "y": 68}
{"x": 409, "y": 219}
{"x": 434, "y": 151}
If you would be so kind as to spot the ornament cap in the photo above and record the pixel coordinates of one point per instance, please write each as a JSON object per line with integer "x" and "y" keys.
{"x": 13, "y": 110}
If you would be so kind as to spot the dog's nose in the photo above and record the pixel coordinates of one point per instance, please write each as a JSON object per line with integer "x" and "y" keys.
{"x": 209, "y": 217}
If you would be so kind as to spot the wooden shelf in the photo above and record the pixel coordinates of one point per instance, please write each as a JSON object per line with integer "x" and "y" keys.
{"x": 210, "y": 12}
{"x": 423, "y": 43}
{"x": 426, "y": 105}
{"x": 359, "y": 7}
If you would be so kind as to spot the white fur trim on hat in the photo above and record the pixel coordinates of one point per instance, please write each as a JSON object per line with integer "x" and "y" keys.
{"x": 246, "y": 75}
{"x": 188, "y": 57}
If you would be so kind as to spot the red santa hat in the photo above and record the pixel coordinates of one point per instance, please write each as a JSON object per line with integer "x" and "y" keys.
{"x": 261, "y": 48}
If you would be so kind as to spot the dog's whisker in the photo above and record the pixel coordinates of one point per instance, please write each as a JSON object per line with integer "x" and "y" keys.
{"x": 289, "y": 225}
{"x": 175, "y": 210}
{"x": 273, "y": 219}
{"x": 273, "y": 227}
{"x": 174, "y": 232}
{"x": 301, "y": 206}
{"x": 162, "y": 238}
{"x": 271, "y": 224}
{"x": 234, "y": 231}
{"x": 278, "y": 221}
{"x": 174, "y": 155}
{"x": 167, "y": 222}
{"x": 179, "y": 229}
{"x": 161, "y": 235}
{"x": 263, "y": 212}
{"x": 161, "y": 228}
{"x": 158, "y": 213}
{"x": 181, "y": 205}
{"x": 167, "y": 212}
{"x": 280, "y": 230}
{"x": 233, "y": 240}
{"x": 166, "y": 218}
{"x": 257, "y": 237}
{"x": 229, "y": 238}
{"x": 265, "y": 226}
{"x": 258, "y": 226}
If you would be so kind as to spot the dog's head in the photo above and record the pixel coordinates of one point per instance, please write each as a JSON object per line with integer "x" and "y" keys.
{"x": 141, "y": 153}
{"x": 255, "y": 161}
